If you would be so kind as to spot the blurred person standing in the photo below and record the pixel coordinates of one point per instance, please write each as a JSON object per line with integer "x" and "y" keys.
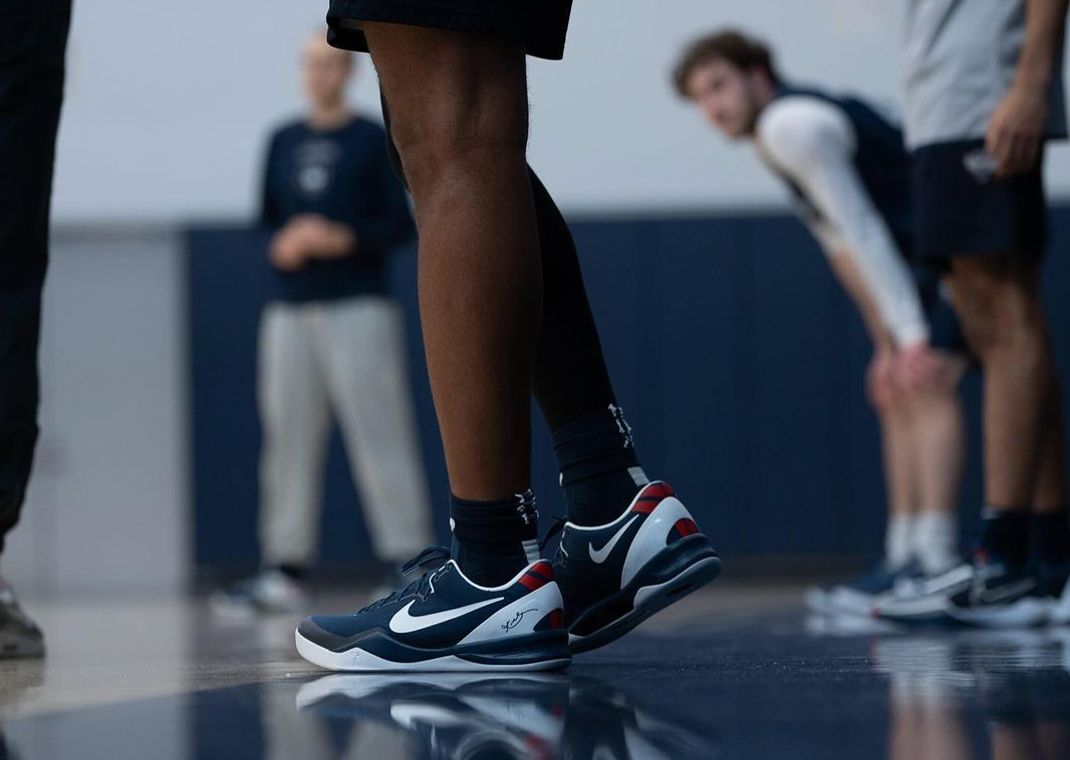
{"x": 331, "y": 339}
{"x": 984, "y": 94}
{"x": 844, "y": 162}
{"x": 33, "y": 41}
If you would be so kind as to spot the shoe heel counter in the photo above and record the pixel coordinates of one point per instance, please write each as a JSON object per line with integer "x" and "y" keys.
{"x": 653, "y": 536}
{"x": 521, "y": 616}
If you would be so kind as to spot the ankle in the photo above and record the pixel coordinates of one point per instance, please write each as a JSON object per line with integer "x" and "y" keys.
{"x": 1005, "y": 535}
{"x": 494, "y": 540}
{"x": 600, "y": 471}
{"x": 1049, "y": 538}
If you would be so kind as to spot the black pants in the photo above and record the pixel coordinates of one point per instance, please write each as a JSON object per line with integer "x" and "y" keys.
{"x": 33, "y": 37}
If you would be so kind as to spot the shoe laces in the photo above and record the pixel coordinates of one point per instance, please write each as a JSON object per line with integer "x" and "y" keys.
{"x": 421, "y": 587}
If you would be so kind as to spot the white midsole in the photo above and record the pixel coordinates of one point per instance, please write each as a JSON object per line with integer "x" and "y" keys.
{"x": 1024, "y": 613}
{"x": 358, "y": 660}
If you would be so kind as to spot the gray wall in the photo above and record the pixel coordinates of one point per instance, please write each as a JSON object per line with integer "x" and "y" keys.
{"x": 168, "y": 102}
{"x": 108, "y": 502}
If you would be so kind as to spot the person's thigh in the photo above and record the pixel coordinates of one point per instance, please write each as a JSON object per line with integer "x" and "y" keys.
{"x": 451, "y": 95}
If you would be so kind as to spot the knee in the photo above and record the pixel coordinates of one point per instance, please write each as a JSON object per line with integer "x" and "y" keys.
{"x": 450, "y": 135}
{"x": 890, "y": 403}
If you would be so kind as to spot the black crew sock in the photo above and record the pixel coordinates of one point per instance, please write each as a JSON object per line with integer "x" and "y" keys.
{"x": 1049, "y": 542}
{"x": 494, "y": 540}
{"x": 1005, "y": 535}
{"x": 298, "y": 573}
{"x": 600, "y": 472}
{"x": 1049, "y": 537}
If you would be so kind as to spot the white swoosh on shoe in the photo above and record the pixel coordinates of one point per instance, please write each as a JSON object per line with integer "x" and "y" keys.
{"x": 1008, "y": 591}
{"x": 403, "y": 622}
{"x": 601, "y": 555}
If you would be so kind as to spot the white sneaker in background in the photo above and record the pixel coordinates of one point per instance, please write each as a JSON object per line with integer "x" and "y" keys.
{"x": 269, "y": 592}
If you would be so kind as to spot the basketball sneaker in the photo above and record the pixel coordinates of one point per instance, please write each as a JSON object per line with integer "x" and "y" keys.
{"x": 445, "y": 622}
{"x": 269, "y": 592}
{"x": 615, "y": 576}
{"x": 19, "y": 636}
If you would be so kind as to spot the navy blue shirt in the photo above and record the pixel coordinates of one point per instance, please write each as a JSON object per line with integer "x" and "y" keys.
{"x": 345, "y": 175}
{"x": 881, "y": 159}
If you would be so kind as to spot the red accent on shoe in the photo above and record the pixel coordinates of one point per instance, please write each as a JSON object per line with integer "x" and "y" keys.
{"x": 658, "y": 489}
{"x": 685, "y": 527}
{"x": 538, "y": 576}
{"x": 646, "y": 506}
{"x": 545, "y": 569}
{"x": 557, "y": 619}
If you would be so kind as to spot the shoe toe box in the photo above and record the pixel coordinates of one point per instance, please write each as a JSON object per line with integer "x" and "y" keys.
{"x": 330, "y": 631}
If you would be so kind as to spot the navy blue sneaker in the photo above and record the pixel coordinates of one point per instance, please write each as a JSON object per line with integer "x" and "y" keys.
{"x": 859, "y": 595}
{"x": 445, "y": 622}
{"x": 615, "y": 576}
{"x": 1000, "y": 596}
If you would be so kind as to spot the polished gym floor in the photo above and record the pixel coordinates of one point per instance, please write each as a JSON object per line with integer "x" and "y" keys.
{"x": 737, "y": 671}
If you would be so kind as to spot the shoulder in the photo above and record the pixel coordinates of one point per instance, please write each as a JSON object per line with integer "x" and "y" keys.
{"x": 803, "y": 120}
{"x": 287, "y": 130}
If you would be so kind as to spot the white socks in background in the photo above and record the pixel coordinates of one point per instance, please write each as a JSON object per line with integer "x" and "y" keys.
{"x": 931, "y": 538}
{"x": 936, "y": 541}
{"x": 898, "y": 541}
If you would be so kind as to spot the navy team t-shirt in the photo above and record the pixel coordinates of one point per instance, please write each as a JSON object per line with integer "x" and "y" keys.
{"x": 345, "y": 175}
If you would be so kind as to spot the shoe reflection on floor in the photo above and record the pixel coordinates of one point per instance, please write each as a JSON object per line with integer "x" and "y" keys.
{"x": 499, "y": 716}
{"x": 961, "y": 694}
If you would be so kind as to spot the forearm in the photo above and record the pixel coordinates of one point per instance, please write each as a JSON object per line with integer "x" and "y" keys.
{"x": 868, "y": 254}
{"x": 1045, "y": 27}
{"x": 853, "y": 283}
{"x": 338, "y": 241}
{"x": 331, "y": 240}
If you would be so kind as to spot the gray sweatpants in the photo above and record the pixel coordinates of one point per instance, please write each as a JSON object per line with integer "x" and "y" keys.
{"x": 344, "y": 356}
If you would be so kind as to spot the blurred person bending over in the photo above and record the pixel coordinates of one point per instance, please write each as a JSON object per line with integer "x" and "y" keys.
{"x": 332, "y": 339}
{"x": 844, "y": 162}
{"x": 984, "y": 93}
{"x": 505, "y": 316}
{"x": 33, "y": 39}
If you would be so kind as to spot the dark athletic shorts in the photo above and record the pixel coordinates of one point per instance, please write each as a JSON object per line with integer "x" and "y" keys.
{"x": 539, "y": 24}
{"x": 961, "y": 209}
{"x": 945, "y": 331}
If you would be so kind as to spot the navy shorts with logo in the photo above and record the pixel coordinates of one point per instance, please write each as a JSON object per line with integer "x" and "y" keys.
{"x": 962, "y": 209}
{"x": 540, "y": 25}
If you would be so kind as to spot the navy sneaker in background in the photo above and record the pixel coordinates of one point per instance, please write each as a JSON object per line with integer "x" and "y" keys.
{"x": 1000, "y": 596}
{"x": 858, "y": 596}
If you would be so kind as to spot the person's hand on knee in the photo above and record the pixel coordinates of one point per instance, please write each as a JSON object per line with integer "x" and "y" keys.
{"x": 880, "y": 379}
{"x": 918, "y": 366}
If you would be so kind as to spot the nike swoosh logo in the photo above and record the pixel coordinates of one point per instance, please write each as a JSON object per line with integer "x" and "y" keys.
{"x": 1005, "y": 592}
{"x": 601, "y": 555}
{"x": 403, "y": 622}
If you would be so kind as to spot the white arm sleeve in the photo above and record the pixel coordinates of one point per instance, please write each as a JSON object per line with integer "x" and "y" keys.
{"x": 813, "y": 143}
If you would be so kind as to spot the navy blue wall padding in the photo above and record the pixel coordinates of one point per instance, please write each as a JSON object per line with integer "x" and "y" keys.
{"x": 738, "y": 360}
